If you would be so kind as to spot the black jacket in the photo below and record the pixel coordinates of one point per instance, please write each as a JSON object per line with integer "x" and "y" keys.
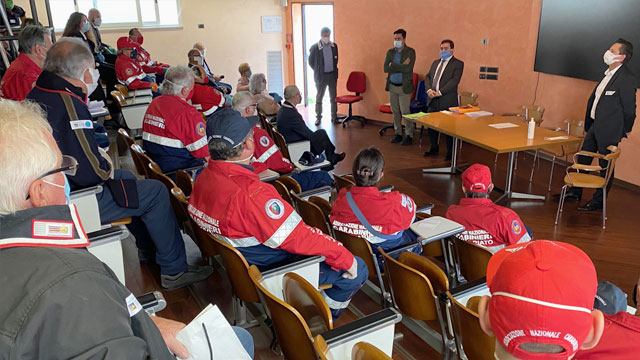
{"x": 316, "y": 60}
{"x": 60, "y": 302}
{"x": 616, "y": 112}
{"x": 74, "y": 134}
{"x": 449, "y": 81}
{"x": 291, "y": 124}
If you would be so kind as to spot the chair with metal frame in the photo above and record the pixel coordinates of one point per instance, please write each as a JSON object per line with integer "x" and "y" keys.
{"x": 472, "y": 260}
{"x": 311, "y": 214}
{"x": 467, "y": 98}
{"x": 470, "y": 337}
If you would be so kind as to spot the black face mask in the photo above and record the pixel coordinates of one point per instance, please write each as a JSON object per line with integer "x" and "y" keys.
{"x": 134, "y": 54}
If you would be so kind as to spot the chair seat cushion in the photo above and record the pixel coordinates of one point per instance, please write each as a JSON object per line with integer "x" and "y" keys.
{"x": 385, "y": 109}
{"x": 584, "y": 180}
{"x": 348, "y": 99}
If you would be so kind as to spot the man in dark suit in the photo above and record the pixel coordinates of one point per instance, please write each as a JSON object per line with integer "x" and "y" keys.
{"x": 611, "y": 111}
{"x": 442, "y": 90}
{"x": 323, "y": 59}
{"x": 293, "y": 128}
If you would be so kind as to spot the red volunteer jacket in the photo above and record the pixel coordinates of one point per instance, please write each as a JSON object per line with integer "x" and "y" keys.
{"x": 147, "y": 65}
{"x": 267, "y": 155}
{"x": 487, "y": 224}
{"x": 388, "y": 213}
{"x": 620, "y": 339}
{"x": 207, "y": 97}
{"x": 230, "y": 202}
{"x": 19, "y": 78}
{"x": 130, "y": 74}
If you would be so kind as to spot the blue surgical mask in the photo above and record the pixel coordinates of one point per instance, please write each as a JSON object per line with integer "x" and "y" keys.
{"x": 85, "y": 27}
{"x": 445, "y": 54}
{"x": 67, "y": 187}
{"x": 134, "y": 54}
{"x": 397, "y": 44}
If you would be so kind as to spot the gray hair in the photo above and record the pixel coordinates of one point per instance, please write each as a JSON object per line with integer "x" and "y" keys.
{"x": 325, "y": 30}
{"x": 68, "y": 57}
{"x": 257, "y": 83}
{"x": 31, "y": 36}
{"x": 290, "y": 91}
{"x": 26, "y": 151}
{"x": 241, "y": 100}
{"x": 175, "y": 79}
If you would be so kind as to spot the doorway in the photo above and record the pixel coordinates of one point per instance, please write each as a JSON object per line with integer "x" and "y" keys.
{"x": 308, "y": 20}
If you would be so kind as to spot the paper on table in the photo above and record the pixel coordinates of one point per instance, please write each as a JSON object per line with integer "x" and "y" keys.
{"x": 503, "y": 125}
{"x": 96, "y": 105}
{"x": 224, "y": 342}
{"x": 556, "y": 138}
{"x": 416, "y": 115}
{"x": 479, "y": 113}
{"x": 446, "y": 112}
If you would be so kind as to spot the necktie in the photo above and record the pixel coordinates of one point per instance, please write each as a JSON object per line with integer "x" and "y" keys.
{"x": 436, "y": 78}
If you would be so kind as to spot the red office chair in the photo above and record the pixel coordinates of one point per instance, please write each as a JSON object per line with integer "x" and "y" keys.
{"x": 386, "y": 109}
{"x": 356, "y": 83}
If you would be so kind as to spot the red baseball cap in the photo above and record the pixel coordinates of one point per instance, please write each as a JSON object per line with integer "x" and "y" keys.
{"x": 125, "y": 43}
{"x": 541, "y": 292}
{"x": 477, "y": 178}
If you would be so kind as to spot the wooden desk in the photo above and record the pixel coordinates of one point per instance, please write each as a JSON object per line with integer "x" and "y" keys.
{"x": 476, "y": 130}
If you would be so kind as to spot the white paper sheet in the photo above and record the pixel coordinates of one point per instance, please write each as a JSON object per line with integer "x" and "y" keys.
{"x": 479, "y": 113}
{"x": 556, "y": 138}
{"x": 503, "y": 125}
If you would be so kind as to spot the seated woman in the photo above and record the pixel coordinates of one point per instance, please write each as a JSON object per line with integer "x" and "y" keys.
{"x": 245, "y": 74}
{"x": 258, "y": 88}
{"x": 206, "y": 96}
{"x": 363, "y": 211}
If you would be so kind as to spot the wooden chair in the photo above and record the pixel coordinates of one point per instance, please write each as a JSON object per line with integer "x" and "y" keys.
{"x": 311, "y": 214}
{"x": 291, "y": 184}
{"x": 343, "y": 181}
{"x": 530, "y": 111}
{"x": 467, "y": 98}
{"x": 413, "y": 292}
{"x": 199, "y": 236}
{"x": 282, "y": 144}
{"x": 472, "y": 259}
{"x": 283, "y": 191}
{"x": 300, "y": 294}
{"x": 142, "y": 158}
{"x": 324, "y": 353}
{"x": 589, "y": 181}
{"x": 475, "y": 343}
{"x": 365, "y": 351}
{"x": 184, "y": 182}
{"x": 324, "y": 205}
{"x": 124, "y": 91}
{"x": 119, "y": 98}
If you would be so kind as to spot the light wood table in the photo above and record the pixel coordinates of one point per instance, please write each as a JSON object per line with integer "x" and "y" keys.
{"x": 476, "y": 130}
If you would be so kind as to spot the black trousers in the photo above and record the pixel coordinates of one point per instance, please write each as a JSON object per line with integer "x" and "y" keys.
{"x": 435, "y": 106}
{"x": 591, "y": 144}
{"x": 320, "y": 142}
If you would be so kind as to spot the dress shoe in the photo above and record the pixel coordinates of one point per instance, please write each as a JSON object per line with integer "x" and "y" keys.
{"x": 338, "y": 157}
{"x": 396, "y": 139}
{"x": 568, "y": 196}
{"x": 193, "y": 274}
{"x": 432, "y": 152}
{"x": 318, "y": 121}
{"x": 448, "y": 157}
{"x": 591, "y": 206}
{"x": 407, "y": 141}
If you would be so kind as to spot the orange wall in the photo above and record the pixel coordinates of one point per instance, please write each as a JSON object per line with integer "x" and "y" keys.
{"x": 364, "y": 29}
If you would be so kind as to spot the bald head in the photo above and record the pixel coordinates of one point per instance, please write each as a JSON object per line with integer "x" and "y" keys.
{"x": 69, "y": 57}
{"x": 198, "y": 46}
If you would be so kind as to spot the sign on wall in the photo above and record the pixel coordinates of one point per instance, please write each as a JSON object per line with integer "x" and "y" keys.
{"x": 271, "y": 24}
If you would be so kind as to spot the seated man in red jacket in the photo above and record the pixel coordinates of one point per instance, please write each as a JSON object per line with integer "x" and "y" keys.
{"x": 21, "y": 76}
{"x": 207, "y": 96}
{"x": 230, "y": 202}
{"x": 486, "y": 224}
{"x": 144, "y": 58}
{"x": 128, "y": 71}
{"x": 267, "y": 155}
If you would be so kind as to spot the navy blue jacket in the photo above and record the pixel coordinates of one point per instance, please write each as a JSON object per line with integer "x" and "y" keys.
{"x": 72, "y": 124}
{"x": 291, "y": 124}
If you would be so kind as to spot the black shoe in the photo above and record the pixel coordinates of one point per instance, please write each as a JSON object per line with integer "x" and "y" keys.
{"x": 568, "y": 196}
{"x": 396, "y": 139}
{"x": 432, "y": 152}
{"x": 193, "y": 274}
{"x": 338, "y": 157}
{"x": 591, "y": 206}
{"x": 336, "y": 121}
{"x": 448, "y": 156}
{"x": 407, "y": 141}
{"x": 318, "y": 121}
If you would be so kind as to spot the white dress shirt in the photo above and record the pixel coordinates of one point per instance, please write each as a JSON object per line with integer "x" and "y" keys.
{"x": 608, "y": 74}
{"x": 444, "y": 66}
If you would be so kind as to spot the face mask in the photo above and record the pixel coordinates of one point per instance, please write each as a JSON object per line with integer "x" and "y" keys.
{"x": 66, "y": 187}
{"x": 445, "y": 54}
{"x": 97, "y": 22}
{"x": 140, "y": 39}
{"x": 610, "y": 58}
{"x": 397, "y": 44}
{"x": 85, "y": 27}
{"x": 248, "y": 74}
{"x": 134, "y": 54}
{"x": 204, "y": 52}
{"x": 325, "y": 39}
{"x": 198, "y": 60}
{"x": 91, "y": 87}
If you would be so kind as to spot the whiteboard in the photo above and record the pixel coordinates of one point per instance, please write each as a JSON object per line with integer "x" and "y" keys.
{"x": 271, "y": 24}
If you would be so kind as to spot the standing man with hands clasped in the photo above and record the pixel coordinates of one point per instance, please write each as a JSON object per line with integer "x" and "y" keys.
{"x": 441, "y": 83}
{"x": 611, "y": 111}
{"x": 323, "y": 59}
{"x": 399, "y": 65}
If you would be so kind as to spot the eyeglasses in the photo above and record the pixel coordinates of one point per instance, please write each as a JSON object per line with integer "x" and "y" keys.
{"x": 68, "y": 166}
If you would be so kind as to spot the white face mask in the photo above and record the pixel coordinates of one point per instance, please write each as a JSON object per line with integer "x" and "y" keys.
{"x": 95, "y": 75}
{"x": 397, "y": 44}
{"x": 97, "y": 22}
{"x": 610, "y": 58}
{"x": 198, "y": 60}
{"x": 325, "y": 39}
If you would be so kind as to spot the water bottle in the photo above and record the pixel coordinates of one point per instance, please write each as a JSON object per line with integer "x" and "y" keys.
{"x": 532, "y": 129}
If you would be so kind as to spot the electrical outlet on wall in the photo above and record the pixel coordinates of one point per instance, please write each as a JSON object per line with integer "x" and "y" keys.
{"x": 485, "y": 41}
{"x": 200, "y": 26}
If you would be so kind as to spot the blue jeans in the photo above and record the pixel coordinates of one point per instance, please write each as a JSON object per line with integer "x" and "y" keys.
{"x": 310, "y": 180}
{"x": 339, "y": 296}
{"x": 245, "y": 339}
{"x": 153, "y": 223}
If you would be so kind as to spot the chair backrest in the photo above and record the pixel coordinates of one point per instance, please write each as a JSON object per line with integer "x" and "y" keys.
{"x": 365, "y": 351}
{"x": 357, "y": 82}
{"x": 475, "y": 342}
{"x": 126, "y": 137}
{"x": 122, "y": 89}
{"x": 575, "y": 127}
{"x": 323, "y": 204}
{"x": 141, "y": 160}
{"x": 290, "y": 183}
{"x": 412, "y": 291}
{"x": 311, "y": 214}
{"x": 184, "y": 182}
{"x": 421, "y": 92}
{"x": 294, "y": 336}
{"x": 282, "y": 144}
{"x": 360, "y": 247}
{"x": 305, "y": 298}
{"x": 467, "y": 98}
{"x": 473, "y": 259}
{"x": 533, "y": 111}
{"x": 436, "y": 275}
{"x": 157, "y": 174}
{"x": 200, "y": 237}
{"x": 342, "y": 181}
{"x": 612, "y": 157}
{"x": 283, "y": 191}
{"x": 182, "y": 212}
{"x": 237, "y": 269}
{"x": 119, "y": 98}
{"x": 324, "y": 353}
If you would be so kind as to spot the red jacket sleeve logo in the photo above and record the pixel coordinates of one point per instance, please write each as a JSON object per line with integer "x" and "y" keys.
{"x": 274, "y": 209}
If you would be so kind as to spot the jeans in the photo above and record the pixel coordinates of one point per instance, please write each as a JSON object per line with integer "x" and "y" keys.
{"x": 245, "y": 339}
{"x": 339, "y": 296}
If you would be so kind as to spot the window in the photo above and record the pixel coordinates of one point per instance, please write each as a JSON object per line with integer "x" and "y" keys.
{"x": 120, "y": 13}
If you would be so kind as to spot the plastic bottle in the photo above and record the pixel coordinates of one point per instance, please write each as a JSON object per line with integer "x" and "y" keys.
{"x": 532, "y": 129}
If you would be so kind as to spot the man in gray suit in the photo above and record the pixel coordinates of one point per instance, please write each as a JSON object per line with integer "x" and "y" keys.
{"x": 323, "y": 59}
